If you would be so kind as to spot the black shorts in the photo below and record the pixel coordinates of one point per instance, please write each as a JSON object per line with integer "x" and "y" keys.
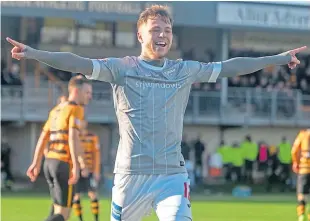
{"x": 85, "y": 184}
{"x": 249, "y": 165}
{"x": 303, "y": 183}
{"x": 57, "y": 174}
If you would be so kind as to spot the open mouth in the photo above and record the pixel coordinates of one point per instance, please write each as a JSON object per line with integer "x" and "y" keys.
{"x": 161, "y": 44}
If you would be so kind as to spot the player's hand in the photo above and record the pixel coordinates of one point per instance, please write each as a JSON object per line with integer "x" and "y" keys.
{"x": 294, "y": 60}
{"x": 75, "y": 175}
{"x": 33, "y": 171}
{"x": 85, "y": 172}
{"x": 97, "y": 176}
{"x": 295, "y": 168}
{"x": 19, "y": 50}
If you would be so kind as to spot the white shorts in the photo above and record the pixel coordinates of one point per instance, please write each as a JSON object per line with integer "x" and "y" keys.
{"x": 134, "y": 196}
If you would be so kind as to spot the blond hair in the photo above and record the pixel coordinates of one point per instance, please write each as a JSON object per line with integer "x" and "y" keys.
{"x": 153, "y": 12}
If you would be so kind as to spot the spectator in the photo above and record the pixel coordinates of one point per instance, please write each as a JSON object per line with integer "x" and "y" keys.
{"x": 284, "y": 156}
{"x": 199, "y": 150}
{"x": 6, "y": 163}
{"x": 250, "y": 152}
{"x": 237, "y": 161}
{"x": 225, "y": 152}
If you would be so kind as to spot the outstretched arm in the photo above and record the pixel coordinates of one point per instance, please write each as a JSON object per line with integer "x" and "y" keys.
{"x": 60, "y": 60}
{"x": 241, "y": 66}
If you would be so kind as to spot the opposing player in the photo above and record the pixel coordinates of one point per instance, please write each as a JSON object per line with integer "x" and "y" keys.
{"x": 150, "y": 95}
{"x": 301, "y": 166}
{"x": 62, "y": 164}
{"x": 91, "y": 146}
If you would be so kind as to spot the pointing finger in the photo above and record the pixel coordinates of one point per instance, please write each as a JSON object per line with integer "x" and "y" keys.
{"x": 297, "y": 50}
{"x": 15, "y": 43}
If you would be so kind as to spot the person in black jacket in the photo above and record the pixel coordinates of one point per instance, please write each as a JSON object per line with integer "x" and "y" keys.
{"x": 6, "y": 164}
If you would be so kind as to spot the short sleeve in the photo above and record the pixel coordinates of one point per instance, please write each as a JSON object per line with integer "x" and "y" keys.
{"x": 46, "y": 126}
{"x": 109, "y": 70}
{"x": 203, "y": 72}
{"x": 76, "y": 117}
{"x": 298, "y": 140}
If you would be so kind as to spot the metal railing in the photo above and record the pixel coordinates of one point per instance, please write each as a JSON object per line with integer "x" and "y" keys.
{"x": 245, "y": 106}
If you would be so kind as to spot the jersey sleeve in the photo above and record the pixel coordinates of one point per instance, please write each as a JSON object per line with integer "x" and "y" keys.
{"x": 203, "y": 72}
{"x": 47, "y": 125}
{"x": 109, "y": 70}
{"x": 76, "y": 117}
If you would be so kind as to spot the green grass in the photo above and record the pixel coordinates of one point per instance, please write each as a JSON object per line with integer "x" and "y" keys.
{"x": 35, "y": 207}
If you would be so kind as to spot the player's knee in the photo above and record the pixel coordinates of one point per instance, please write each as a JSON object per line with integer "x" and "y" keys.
{"x": 76, "y": 197}
{"x": 92, "y": 195}
{"x": 300, "y": 197}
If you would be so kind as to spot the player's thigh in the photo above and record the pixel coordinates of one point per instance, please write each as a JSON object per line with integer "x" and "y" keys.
{"x": 92, "y": 185}
{"x": 62, "y": 190}
{"x": 173, "y": 202}
{"x": 303, "y": 184}
{"x": 81, "y": 185}
{"x": 130, "y": 198}
{"x": 48, "y": 177}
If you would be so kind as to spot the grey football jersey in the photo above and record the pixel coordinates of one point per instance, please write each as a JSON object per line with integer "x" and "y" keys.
{"x": 150, "y": 103}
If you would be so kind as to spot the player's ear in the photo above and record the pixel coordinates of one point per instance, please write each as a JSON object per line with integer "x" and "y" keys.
{"x": 139, "y": 36}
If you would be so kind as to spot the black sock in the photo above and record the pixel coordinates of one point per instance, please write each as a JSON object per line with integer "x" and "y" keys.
{"x": 301, "y": 208}
{"x": 78, "y": 209}
{"x": 95, "y": 208}
{"x": 55, "y": 217}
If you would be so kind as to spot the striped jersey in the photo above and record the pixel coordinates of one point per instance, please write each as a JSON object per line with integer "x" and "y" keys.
{"x": 61, "y": 118}
{"x": 301, "y": 151}
{"x": 90, "y": 146}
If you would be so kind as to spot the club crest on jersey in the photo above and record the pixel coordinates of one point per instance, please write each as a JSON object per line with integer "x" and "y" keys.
{"x": 169, "y": 74}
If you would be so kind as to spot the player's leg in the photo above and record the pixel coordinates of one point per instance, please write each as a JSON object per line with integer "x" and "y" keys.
{"x": 63, "y": 191}
{"x": 172, "y": 202}
{"x": 131, "y": 199}
{"x": 77, "y": 206}
{"x": 92, "y": 194}
{"x": 94, "y": 204}
{"x": 302, "y": 189}
{"x": 52, "y": 209}
{"x": 49, "y": 181}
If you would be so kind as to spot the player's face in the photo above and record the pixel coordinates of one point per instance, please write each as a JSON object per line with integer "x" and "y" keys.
{"x": 86, "y": 94}
{"x": 155, "y": 37}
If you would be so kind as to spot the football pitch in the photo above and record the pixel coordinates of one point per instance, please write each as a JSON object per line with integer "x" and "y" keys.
{"x": 35, "y": 207}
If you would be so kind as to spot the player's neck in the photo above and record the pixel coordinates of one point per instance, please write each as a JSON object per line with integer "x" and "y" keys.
{"x": 154, "y": 62}
{"x": 73, "y": 99}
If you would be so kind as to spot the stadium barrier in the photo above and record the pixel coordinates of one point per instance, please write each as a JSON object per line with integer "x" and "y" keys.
{"x": 244, "y": 106}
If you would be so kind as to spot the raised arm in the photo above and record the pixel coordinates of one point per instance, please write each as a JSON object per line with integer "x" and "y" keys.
{"x": 241, "y": 66}
{"x": 60, "y": 60}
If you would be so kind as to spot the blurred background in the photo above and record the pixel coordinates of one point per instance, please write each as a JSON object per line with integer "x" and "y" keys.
{"x": 261, "y": 112}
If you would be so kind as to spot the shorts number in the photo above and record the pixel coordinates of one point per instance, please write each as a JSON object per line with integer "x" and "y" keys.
{"x": 186, "y": 191}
